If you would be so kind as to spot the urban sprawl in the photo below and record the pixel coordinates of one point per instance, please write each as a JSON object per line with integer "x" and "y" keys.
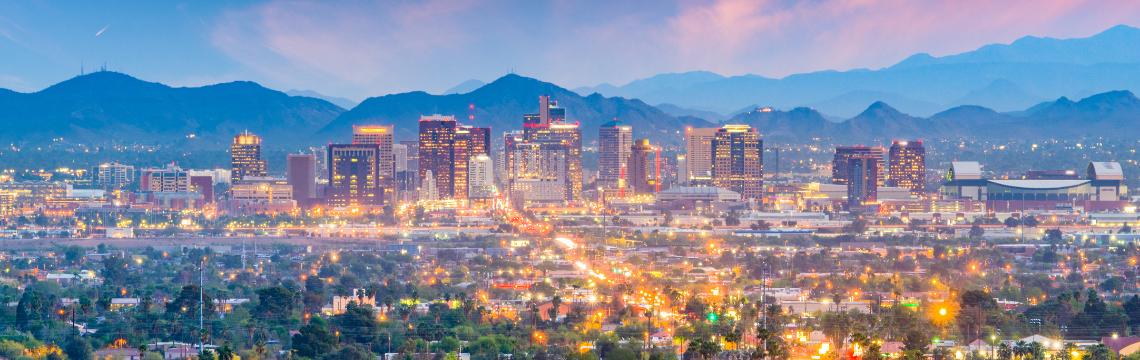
{"x": 449, "y": 247}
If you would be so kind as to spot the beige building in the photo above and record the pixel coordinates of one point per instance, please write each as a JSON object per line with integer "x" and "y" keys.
{"x": 699, "y": 155}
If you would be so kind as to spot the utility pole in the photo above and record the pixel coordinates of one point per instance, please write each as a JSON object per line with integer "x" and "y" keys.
{"x": 201, "y": 306}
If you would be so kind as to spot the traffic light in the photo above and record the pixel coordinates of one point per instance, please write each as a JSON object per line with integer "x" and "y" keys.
{"x": 712, "y": 317}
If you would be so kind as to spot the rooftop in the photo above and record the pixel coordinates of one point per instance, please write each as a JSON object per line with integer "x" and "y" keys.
{"x": 697, "y": 190}
{"x": 1040, "y": 184}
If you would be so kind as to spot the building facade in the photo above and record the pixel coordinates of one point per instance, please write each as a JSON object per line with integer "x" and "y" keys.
{"x": 551, "y": 126}
{"x": 381, "y": 136}
{"x": 245, "y": 157}
{"x": 839, "y": 166}
{"x": 699, "y": 155}
{"x": 302, "y": 176}
{"x": 864, "y": 171}
{"x": 641, "y": 171}
{"x": 354, "y": 176}
{"x": 115, "y": 174}
{"x": 481, "y": 177}
{"x": 169, "y": 179}
{"x": 738, "y": 162}
{"x": 437, "y": 142}
{"x": 908, "y": 166}
{"x": 615, "y": 141}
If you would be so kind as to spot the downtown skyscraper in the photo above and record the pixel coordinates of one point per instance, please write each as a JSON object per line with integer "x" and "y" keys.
{"x": 615, "y": 141}
{"x": 698, "y": 156}
{"x": 446, "y": 149}
{"x": 354, "y": 179}
{"x": 908, "y": 166}
{"x": 738, "y": 162}
{"x": 437, "y": 138}
{"x": 382, "y": 137}
{"x": 245, "y": 157}
{"x": 840, "y": 171}
{"x": 549, "y": 125}
{"x": 864, "y": 172}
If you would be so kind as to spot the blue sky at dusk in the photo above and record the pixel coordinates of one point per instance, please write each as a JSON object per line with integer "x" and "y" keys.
{"x": 358, "y": 49}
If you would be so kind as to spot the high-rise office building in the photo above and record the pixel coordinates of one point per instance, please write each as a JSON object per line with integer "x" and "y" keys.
{"x": 615, "y": 140}
{"x": 738, "y": 162}
{"x": 380, "y": 136}
{"x": 506, "y": 169}
{"x": 353, "y": 176}
{"x": 480, "y": 177}
{"x": 550, "y": 126}
{"x": 302, "y": 175}
{"x": 245, "y": 157}
{"x": 400, "y": 154}
{"x": 908, "y": 166}
{"x": 839, "y": 168}
{"x": 682, "y": 170}
{"x": 413, "y": 154}
{"x": 322, "y": 155}
{"x": 641, "y": 170}
{"x": 116, "y": 174}
{"x": 429, "y": 190}
{"x": 540, "y": 172}
{"x": 168, "y": 179}
{"x": 436, "y": 153}
{"x": 864, "y": 172}
{"x": 478, "y": 140}
{"x": 699, "y": 155}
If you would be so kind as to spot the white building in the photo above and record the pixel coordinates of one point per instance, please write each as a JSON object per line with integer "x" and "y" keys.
{"x": 480, "y": 177}
{"x": 400, "y": 154}
{"x": 113, "y": 174}
{"x": 428, "y": 191}
{"x": 220, "y": 176}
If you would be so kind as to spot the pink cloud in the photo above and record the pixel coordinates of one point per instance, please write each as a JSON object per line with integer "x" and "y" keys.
{"x": 373, "y": 48}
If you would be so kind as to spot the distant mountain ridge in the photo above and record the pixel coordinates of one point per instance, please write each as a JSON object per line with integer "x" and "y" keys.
{"x": 108, "y": 106}
{"x": 338, "y": 101}
{"x": 501, "y": 104}
{"x": 1109, "y": 115}
{"x": 1000, "y": 76}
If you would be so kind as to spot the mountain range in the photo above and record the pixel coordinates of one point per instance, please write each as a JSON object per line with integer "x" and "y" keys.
{"x": 106, "y": 107}
{"x": 1002, "y": 77}
{"x": 501, "y": 104}
{"x": 1001, "y": 98}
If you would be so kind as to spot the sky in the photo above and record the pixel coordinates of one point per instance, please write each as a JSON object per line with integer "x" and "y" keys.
{"x": 360, "y": 49}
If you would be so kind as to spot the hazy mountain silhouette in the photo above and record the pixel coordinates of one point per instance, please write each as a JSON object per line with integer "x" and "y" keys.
{"x": 465, "y": 87}
{"x": 109, "y": 106}
{"x": 1105, "y": 115}
{"x": 1026, "y": 70}
{"x": 339, "y": 101}
{"x": 680, "y": 111}
{"x": 501, "y": 104}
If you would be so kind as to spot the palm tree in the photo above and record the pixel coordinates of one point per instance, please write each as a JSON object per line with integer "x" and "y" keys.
{"x": 1004, "y": 352}
{"x": 259, "y": 348}
{"x": 225, "y": 352}
{"x": 1020, "y": 349}
{"x": 142, "y": 351}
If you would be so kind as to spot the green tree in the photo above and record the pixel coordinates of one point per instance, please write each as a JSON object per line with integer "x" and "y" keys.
{"x": 314, "y": 340}
{"x": 350, "y": 352}
{"x": 273, "y": 303}
{"x": 78, "y": 348}
{"x": 357, "y": 324}
{"x": 976, "y": 231}
{"x": 115, "y": 271}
